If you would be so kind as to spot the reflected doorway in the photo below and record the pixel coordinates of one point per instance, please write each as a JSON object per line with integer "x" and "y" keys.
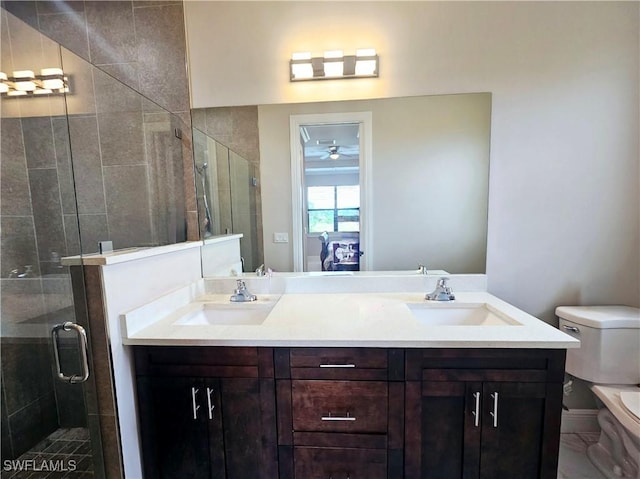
{"x": 330, "y": 191}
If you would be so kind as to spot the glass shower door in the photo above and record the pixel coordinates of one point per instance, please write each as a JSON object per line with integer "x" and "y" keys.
{"x": 46, "y": 398}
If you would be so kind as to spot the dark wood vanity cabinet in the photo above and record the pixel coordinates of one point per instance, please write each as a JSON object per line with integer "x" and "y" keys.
{"x": 207, "y": 412}
{"x": 307, "y": 413}
{"x": 483, "y": 413}
{"x": 340, "y": 412}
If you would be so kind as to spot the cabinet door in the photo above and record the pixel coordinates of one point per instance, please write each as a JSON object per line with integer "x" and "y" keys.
{"x": 175, "y": 427}
{"x": 450, "y": 433}
{"x": 246, "y": 433}
{"x": 512, "y": 430}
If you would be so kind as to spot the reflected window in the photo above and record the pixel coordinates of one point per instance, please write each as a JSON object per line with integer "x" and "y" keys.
{"x": 333, "y": 208}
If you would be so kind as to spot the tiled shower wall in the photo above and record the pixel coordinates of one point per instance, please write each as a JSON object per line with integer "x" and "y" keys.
{"x": 142, "y": 44}
{"x": 237, "y": 128}
{"x": 128, "y": 163}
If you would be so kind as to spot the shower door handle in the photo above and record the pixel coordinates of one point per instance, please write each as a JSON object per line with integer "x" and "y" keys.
{"x": 84, "y": 353}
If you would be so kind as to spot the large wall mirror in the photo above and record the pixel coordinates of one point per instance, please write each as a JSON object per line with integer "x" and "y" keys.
{"x": 429, "y": 177}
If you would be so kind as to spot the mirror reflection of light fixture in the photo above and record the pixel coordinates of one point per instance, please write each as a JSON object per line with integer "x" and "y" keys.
{"x": 51, "y": 81}
{"x": 333, "y": 153}
{"x": 24, "y": 80}
{"x": 334, "y": 65}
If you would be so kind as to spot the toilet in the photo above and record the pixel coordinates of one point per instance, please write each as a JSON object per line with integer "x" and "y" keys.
{"x": 609, "y": 359}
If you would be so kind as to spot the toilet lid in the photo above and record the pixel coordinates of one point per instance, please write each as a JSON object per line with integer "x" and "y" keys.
{"x": 631, "y": 402}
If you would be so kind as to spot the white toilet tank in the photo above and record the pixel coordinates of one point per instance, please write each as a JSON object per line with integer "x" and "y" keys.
{"x": 609, "y": 337}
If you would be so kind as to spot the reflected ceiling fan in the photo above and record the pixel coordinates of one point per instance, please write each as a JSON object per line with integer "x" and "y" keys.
{"x": 335, "y": 152}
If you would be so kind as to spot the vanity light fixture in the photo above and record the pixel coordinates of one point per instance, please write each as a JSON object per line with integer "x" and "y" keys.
{"x": 51, "y": 81}
{"x": 334, "y": 65}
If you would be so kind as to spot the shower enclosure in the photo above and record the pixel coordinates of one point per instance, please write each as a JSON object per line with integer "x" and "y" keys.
{"x": 98, "y": 163}
{"x": 228, "y": 191}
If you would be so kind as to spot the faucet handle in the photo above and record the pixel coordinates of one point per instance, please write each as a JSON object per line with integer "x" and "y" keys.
{"x": 240, "y": 284}
{"x": 442, "y": 292}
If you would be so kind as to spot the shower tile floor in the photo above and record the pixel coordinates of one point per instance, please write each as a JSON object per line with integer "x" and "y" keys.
{"x": 68, "y": 450}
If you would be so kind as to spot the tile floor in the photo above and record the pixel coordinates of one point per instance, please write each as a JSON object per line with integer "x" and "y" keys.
{"x": 573, "y": 460}
{"x": 65, "y": 454}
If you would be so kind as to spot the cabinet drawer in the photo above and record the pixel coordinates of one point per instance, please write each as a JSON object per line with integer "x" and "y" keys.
{"x": 326, "y": 463}
{"x": 246, "y": 362}
{"x": 529, "y": 365}
{"x": 340, "y": 406}
{"x": 339, "y": 363}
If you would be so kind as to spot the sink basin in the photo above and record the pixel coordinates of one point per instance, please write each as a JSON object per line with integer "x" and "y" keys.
{"x": 226, "y": 314}
{"x": 458, "y": 315}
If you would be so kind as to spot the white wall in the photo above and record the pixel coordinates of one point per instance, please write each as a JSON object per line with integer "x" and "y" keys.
{"x": 564, "y": 201}
{"x": 128, "y": 285}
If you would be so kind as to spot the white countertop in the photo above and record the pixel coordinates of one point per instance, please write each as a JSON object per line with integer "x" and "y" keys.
{"x": 126, "y": 254}
{"x": 341, "y": 319}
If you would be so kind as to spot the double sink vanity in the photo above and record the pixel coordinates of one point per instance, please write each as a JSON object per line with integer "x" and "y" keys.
{"x": 345, "y": 376}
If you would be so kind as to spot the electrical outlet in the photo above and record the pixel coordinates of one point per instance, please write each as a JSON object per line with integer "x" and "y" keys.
{"x": 280, "y": 237}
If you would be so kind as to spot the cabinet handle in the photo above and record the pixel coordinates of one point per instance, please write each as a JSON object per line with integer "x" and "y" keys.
{"x": 195, "y": 407}
{"x": 494, "y": 414}
{"x": 476, "y": 411}
{"x": 211, "y": 406}
{"x": 337, "y": 365}
{"x": 348, "y": 417}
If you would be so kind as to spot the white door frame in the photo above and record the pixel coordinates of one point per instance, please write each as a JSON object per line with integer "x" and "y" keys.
{"x": 364, "y": 119}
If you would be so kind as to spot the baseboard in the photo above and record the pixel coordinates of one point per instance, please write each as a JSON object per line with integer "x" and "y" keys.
{"x": 579, "y": 420}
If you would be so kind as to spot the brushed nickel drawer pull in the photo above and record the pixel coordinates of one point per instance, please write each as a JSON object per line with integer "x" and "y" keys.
{"x": 209, "y": 403}
{"x": 348, "y": 417}
{"x": 337, "y": 365}
{"x": 194, "y": 405}
{"x": 494, "y": 414}
{"x": 476, "y": 411}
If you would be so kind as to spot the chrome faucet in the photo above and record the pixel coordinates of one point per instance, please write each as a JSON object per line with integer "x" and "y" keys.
{"x": 441, "y": 293}
{"x": 241, "y": 294}
{"x": 422, "y": 269}
{"x": 260, "y": 270}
